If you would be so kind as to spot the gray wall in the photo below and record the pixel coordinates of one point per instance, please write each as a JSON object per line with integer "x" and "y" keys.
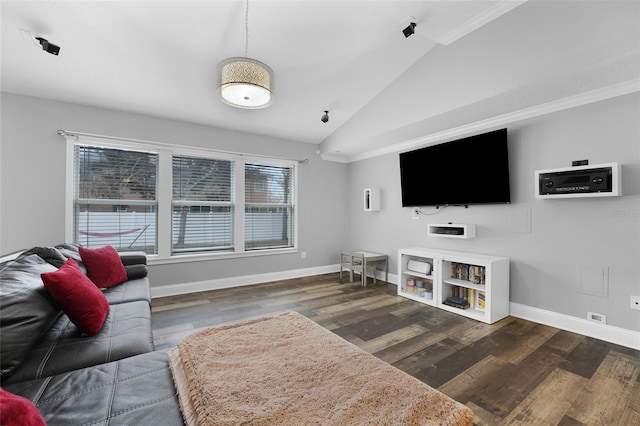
{"x": 32, "y": 182}
{"x": 567, "y": 234}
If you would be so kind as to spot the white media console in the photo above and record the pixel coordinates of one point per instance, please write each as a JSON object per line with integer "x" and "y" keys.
{"x": 453, "y": 277}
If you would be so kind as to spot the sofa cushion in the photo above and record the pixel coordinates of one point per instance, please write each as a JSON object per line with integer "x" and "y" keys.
{"x": 17, "y": 410}
{"x": 80, "y": 299}
{"x": 104, "y": 266}
{"x": 133, "y": 391}
{"x": 27, "y": 310}
{"x": 130, "y": 291}
{"x": 126, "y": 332}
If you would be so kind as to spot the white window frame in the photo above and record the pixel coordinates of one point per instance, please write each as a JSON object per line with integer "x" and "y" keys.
{"x": 110, "y": 202}
{"x": 294, "y": 206}
{"x": 164, "y": 194}
{"x": 232, "y": 202}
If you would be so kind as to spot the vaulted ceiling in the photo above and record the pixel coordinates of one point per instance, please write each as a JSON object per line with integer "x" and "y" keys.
{"x": 469, "y": 62}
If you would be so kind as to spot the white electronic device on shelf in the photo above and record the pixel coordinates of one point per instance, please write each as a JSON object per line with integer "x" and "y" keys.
{"x": 421, "y": 267}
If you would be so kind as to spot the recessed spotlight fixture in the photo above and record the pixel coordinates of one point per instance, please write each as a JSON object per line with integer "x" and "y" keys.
{"x": 41, "y": 42}
{"x": 410, "y": 29}
{"x": 325, "y": 117}
{"x": 48, "y": 46}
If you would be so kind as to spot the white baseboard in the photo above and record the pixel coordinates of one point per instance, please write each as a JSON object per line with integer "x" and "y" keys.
{"x": 194, "y": 287}
{"x": 608, "y": 333}
{"x": 220, "y": 283}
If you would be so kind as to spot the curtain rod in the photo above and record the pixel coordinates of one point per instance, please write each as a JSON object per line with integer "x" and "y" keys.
{"x": 66, "y": 133}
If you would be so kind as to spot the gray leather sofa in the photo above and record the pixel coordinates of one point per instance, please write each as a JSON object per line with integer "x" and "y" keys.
{"x": 113, "y": 377}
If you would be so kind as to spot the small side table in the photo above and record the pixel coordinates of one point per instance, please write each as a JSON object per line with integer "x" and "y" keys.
{"x": 369, "y": 257}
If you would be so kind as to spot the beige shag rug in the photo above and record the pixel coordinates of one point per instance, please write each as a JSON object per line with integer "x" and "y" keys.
{"x": 285, "y": 369}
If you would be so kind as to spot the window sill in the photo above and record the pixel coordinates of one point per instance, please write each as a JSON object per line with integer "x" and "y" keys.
{"x": 204, "y": 257}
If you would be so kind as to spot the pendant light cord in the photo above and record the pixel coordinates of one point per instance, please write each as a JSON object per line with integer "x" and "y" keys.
{"x": 246, "y": 32}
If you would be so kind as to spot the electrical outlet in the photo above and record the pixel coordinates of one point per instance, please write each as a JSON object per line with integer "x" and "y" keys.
{"x": 592, "y": 316}
{"x": 415, "y": 213}
{"x": 303, "y": 254}
{"x": 635, "y": 302}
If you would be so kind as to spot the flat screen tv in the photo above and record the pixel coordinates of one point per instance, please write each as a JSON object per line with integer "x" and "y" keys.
{"x": 473, "y": 170}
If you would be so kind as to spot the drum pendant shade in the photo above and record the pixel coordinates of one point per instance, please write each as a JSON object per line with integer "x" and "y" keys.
{"x": 245, "y": 83}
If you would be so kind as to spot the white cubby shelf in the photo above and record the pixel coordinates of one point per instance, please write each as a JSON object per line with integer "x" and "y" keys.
{"x": 481, "y": 280}
{"x": 452, "y": 230}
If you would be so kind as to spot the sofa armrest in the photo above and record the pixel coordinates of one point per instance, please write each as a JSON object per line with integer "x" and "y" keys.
{"x": 135, "y": 272}
{"x": 133, "y": 257}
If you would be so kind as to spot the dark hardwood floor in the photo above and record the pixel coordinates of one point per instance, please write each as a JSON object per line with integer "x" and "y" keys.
{"x": 513, "y": 372}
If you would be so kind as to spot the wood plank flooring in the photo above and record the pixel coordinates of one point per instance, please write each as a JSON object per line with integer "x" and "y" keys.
{"x": 513, "y": 372}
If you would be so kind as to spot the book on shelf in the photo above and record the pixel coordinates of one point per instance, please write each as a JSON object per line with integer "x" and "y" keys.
{"x": 465, "y": 272}
{"x": 480, "y": 301}
{"x": 459, "y": 297}
{"x": 478, "y": 275}
{"x": 463, "y": 297}
{"x": 456, "y": 302}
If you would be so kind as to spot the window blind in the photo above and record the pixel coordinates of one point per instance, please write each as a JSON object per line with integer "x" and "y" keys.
{"x": 115, "y": 199}
{"x": 167, "y": 201}
{"x": 202, "y": 204}
{"x": 268, "y": 206}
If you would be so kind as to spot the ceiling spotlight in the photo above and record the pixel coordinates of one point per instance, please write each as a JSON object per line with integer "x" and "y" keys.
{"x": 325, "y": 117}
{"x": 41, "y": 42}
{"x": 48, "y": 47}
{"x": 409, "y": 30}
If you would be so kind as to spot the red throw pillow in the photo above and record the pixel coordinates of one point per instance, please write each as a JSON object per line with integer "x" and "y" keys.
{"x": 104, "y": 266}
{"x": 81, "y": 300}
{"x": 17, "y": 410}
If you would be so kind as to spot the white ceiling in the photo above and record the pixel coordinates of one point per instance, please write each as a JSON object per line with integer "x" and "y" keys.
{"x": 350, "y": 57}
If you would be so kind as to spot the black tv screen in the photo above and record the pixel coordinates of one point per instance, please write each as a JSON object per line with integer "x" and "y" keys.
{"x": 473, "y": 170}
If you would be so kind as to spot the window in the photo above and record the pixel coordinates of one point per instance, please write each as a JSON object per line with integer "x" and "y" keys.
{"x": 115, "y": 198}
{"x": 178, "y": 202}
{"x": 202, "y": 218}
{"x": 268, "y": 207}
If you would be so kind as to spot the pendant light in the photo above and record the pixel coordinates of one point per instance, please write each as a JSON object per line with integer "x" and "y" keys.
{"x": 243, "y": 82}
